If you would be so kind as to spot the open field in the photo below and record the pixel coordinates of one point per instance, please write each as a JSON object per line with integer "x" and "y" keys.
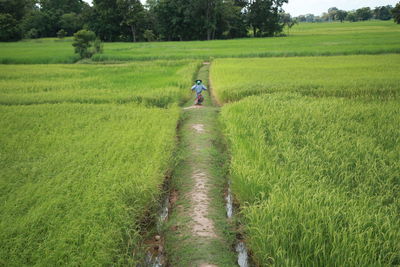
{"x": 372, "y": 76}
{"x": 306, "y": 39}
{"x": 77, "y": 179}
{"x": 157, "y": 83}
{"x": 317, "y": 178}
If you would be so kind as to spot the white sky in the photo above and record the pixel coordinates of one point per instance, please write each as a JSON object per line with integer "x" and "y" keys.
{"x": 317, "y": 7}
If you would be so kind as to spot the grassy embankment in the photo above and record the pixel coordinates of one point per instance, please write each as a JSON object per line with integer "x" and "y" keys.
{"x": 79, "y": 179}
{"x": 317, "y": 178}
{"x": 306, "y": 39}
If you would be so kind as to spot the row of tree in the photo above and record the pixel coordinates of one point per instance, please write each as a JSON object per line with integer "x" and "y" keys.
{"x": 366, "y": 13}
{"x": 129, "y": 20}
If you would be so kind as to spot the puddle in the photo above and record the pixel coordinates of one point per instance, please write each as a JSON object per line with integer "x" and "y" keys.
{"x": 243, "y": 258}
{"x": 155, "y": 256}
{"x": 229, "y": 202}
{"x": 153, "y": 260}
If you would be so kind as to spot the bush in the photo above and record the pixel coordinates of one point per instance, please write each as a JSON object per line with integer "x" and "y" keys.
{"x": 61, "y": 33}
{"x": 86, "y": 44}
{"x": 32, "y": 34}
{"x": 149, "y": 36}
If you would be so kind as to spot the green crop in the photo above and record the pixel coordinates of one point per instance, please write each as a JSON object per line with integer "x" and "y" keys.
{"x": 306, "y": 39}
{"x": 158, "y": 83}
{"x": 373, "y": 76}
{"x": 317, "y": 179}
{"x": 77, "y": 179}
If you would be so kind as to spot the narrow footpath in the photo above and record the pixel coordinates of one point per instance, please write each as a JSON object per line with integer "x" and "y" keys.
{"x": 198, "y": 232}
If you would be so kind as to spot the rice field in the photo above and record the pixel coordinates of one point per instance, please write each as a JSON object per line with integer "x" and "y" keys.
{"x": 317, "y": 179}
{"x": 372, "y": 76}
{"x": 306, "y": 39}
{"x": 82, "y": 161}
{"x": 158, "y": 83}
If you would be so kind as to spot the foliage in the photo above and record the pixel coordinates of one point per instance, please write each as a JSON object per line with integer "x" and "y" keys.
{"x": 9, "y": 29}
{"x": 61, "y": 34}
{"x": 149, "y": 36}
{"x": 364, "y": 13}
{"x": 342, "y": 76}
{"x": 316, "y": 178}
{"x": 264, "y": 17}
{"x": 84, "y": 43}
{"x": 32, "y": 34}
{"x": 396, "y": 13}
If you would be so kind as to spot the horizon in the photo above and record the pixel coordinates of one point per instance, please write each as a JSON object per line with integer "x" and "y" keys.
{"x": 317, "y": 7}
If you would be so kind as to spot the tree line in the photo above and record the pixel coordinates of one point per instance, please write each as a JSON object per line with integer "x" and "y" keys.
{"x": 171, "y": 20}
{"x": 129, "y": 20}
{"x": 366, "y": 13}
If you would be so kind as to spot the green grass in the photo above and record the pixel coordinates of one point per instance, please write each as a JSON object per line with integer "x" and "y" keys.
{"x": 39, "y": 51}
{"x": 373, "y": 76}
{"x": 306, "y": 39}
{"x": 76, "y": 180}
{"x": 317, "y": 179}
{"x": 157, "y": 83}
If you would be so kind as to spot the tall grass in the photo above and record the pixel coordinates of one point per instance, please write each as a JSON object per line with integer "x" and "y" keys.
{"x": 77, "y": 179}
{"x": 306, "y": 39}
{"x": 372, "y": 76}
{"x": 158, "y": 83}
{"x": 317, "y": 179}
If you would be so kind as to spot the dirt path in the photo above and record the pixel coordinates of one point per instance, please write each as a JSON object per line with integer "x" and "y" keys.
{"x": 198, "y": 232}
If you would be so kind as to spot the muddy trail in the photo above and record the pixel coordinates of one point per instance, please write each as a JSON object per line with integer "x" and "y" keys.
{"x": 198, "y": 232}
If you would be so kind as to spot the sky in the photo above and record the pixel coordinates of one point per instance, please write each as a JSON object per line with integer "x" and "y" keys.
{"x": 317, "y": 7}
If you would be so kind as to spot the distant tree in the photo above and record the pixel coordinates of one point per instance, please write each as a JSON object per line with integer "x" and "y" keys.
{"x": 264, "y": 17}
{"x": 71, "y": 22}
{"x": 364, "y": 13}
{"x": 383, "y": 12}
{"x": 301, "y": 18}
{"x": 351, "y": 16}
{"x": 396, "y": 13}
{"x": 32, "y": 34}
{"x": 61, "y": 33}
{"x": 341, "y": 15}
{"x": 310, "y": 18}
{"x": 133, "y": 15}
{"x": 332, "y": 13}
{"x": 149, "y": 36}
{"x": 288, "y": 21}
{"x": 9, "y": 28}
{"x": 86, "y": 44}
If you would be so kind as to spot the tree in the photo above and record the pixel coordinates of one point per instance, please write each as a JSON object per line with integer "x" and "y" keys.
{"x": 332, "y": 13}
{"x": 341, "y": 15}
{"x": 383, "y": 12}
{"x": 264, "y": 17}
{"x": 9, "y": 28}
{"x": 61, "y": 34}
{"x": 364, "y": 13}
{"x": 149, "y": 36}
{"x": 396, "y": 13}
{"x": 86, "y": 44}
{"x": 133, "y": 15}
{"x": 70, "y": 22}
{"x": 351, "y": 16}
{"x": 288, "y": 21}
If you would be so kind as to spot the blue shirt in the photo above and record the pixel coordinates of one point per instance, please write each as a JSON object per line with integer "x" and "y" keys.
{"x": 199, "y": 88}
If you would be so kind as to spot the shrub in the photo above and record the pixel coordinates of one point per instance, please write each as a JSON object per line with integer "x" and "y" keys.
{"x": 32, "y": 34}
{"x": 61, "y": 33}
{"x": 86, "y": 44}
